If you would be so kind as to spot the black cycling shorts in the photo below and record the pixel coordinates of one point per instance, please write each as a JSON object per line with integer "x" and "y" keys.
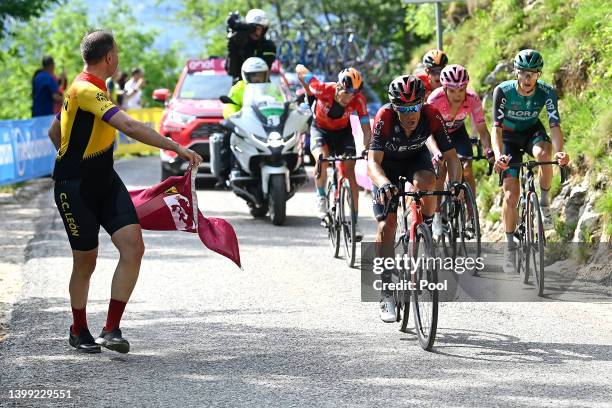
{"x": 462, "y": 142}
{"x": 339, "y": 142}
{"x": 87, "y": 204}
{"x": 421, "y": 160}
{"x": 515, "y": 143}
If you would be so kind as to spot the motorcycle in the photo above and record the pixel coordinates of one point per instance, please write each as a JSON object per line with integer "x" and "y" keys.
{"x": 265, "y": 140}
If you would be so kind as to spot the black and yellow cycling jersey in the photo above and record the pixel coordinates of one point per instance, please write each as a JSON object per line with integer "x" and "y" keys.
{"x": 87, "y": 139}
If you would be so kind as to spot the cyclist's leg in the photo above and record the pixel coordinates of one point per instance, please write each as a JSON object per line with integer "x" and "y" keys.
{"x": 512, "y": 144}
{"x": 319, "y": 145}
{"x": 540, "y": 146}
{"x": 386, "y": 228}
{"x": 77, "y": 206}
{"x": 119, "y": 219}
{"x": 421, "y": 173}
{"x": 463, "y": 146}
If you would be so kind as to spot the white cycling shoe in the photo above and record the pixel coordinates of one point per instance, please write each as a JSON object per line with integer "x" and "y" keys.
{"x": 546, "y": 218}
{"x": 510, "y": 260}
{"x": 321, "y": 206}
{"x": 387, "y": 309}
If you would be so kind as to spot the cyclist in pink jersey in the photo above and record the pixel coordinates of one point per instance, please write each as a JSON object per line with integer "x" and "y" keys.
{"x": 455, "y": 103}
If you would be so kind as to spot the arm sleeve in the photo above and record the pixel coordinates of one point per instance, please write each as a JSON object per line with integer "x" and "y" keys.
{"x": 439, "y": 132}
{"x": 477, "y": 113}
{"x": 362, "y": 109}
{"x": 92, "y": 99}
{"x": 554, "y": 119}
{"x": 382, "y": 123}
{"x": 499, "y": 106}
{"x": 316, "y": 87}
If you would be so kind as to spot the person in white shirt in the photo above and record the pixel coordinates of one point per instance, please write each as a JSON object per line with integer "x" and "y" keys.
{"x": 133, "y": 90}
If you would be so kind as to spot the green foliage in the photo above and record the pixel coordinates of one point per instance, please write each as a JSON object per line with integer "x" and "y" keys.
{"x": 604, "y": 206}
{"x": 20, "y": 10}
{"x": 59, "y": 34}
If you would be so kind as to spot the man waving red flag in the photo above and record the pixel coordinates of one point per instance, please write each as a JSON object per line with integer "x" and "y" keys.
{"x": 172, "y": 206}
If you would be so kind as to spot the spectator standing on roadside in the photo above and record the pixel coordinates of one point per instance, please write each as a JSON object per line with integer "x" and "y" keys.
{"x": 46, "y": 89}
{"x": 132, "y": 92}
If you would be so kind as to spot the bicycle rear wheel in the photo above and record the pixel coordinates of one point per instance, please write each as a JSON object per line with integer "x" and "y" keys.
{"x": 333, "y": 232}
{"x": 346, "y": 223}
{"x": 425, "y": 299}
{"x": 535, "y": 231}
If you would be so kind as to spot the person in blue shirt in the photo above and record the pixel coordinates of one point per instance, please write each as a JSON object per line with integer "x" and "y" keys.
{"x": 45, "y": 89}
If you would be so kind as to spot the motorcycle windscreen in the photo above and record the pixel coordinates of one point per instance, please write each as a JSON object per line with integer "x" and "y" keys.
{"x": 263, "y": 95}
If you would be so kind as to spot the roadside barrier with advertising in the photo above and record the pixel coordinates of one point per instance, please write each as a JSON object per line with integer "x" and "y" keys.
{"x": 126, "y": 145}
{"x": 26, "y": 152}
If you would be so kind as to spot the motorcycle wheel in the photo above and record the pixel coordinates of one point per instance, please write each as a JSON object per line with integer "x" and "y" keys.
{"x": 277, "y": 199}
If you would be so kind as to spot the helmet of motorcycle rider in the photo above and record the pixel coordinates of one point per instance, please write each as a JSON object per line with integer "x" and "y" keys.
{"x": 255, "y": 70}
{"x": 257, "y": 16}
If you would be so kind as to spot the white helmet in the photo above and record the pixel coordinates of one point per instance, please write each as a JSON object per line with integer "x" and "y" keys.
{"x": 254, "y": 65}
{"x": 257, "y": 16}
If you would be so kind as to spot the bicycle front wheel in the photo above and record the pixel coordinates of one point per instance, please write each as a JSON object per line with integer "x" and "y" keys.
{"x": 331, "y": 219}
{"x": 535, "y": 232}
{"x": 347, "y": 224}
{"x": 424, "y": 297}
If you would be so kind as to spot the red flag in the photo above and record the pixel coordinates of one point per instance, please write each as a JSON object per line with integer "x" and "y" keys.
{"x": 171, "y": 206}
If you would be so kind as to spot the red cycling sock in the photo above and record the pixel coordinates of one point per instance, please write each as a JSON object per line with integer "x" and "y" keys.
{"x": 115, "y": 311}
{"x": 80, "y": 320}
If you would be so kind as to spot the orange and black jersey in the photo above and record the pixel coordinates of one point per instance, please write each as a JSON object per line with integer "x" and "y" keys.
{"x": 87, "y": 139}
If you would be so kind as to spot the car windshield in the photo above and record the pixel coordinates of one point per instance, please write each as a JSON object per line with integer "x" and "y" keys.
{"x": 205, "y": 86}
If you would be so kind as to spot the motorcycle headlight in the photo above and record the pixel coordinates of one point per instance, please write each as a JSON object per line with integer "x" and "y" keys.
{"x": 275, "y": 139}
{"x": 181, "y": 118}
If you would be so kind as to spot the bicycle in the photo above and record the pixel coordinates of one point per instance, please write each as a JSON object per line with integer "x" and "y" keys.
{"x": 424, "y": 300}
{"x": 530, "y": 230}
{"x": 460, "y": 219}
{"x": 340, "y": 198}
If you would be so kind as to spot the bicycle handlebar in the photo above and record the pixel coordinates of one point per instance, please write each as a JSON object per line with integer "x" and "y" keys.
{"x": 531, "y": 164}
{"x": 334, "y": 159}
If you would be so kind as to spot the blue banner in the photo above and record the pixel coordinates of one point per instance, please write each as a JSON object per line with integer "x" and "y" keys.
{"x": 25, "y": 149}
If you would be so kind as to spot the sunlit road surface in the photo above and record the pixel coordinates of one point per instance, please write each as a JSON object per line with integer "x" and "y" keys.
{"x": 288, "y": 330}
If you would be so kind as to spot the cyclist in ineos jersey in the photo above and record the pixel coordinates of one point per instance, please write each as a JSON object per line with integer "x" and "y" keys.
{"x": 516, "y": 129}
{"x": 90, "y": 194}
{"x": 455, "y": 102}
{"x": 331, "y": 132}
{"x": 407, "y": 133}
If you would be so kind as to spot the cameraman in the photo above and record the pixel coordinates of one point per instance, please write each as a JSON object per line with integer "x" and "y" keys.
{"x": 248, "y": 39}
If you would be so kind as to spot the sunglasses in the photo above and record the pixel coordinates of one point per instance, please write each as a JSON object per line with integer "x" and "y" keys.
{"x": 407, "y": 109}
{"x": 527, "y": 74}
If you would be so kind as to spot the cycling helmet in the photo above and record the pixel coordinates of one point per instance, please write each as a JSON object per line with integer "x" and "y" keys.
{"x": 435, "y": 59}
{"x": 529, "y": 59}
{"x": 454, "y": 76}
{"x": 257, "y": 16}
{"x": 406, "y": 90}
{"x": 252, "y": 66}
{"x": 350, "y": 79}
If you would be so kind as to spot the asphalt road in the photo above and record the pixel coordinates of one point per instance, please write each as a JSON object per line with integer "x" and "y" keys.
{"x": 288, "y": 330}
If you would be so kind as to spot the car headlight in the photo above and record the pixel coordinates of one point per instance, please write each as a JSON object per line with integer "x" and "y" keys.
{"x": 181, "y": 118}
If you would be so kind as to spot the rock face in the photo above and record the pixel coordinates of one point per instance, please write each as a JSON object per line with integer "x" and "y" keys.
{"x": 588, "y": 221}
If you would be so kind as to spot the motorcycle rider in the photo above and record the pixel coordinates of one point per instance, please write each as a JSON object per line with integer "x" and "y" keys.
{"x": 254, "y": 71}
{"x": 248, "y": 39}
